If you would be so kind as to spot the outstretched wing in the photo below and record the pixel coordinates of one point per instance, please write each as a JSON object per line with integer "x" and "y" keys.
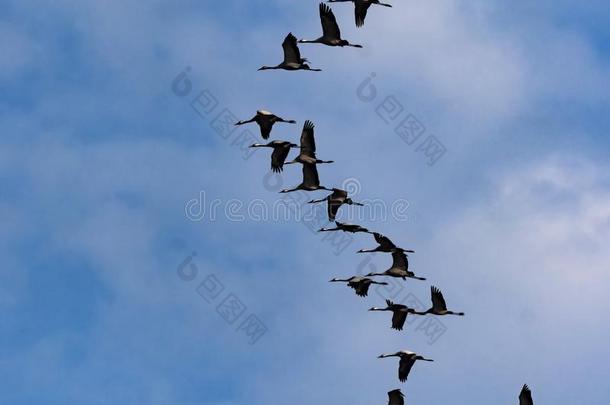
{"x": 265, "y": 126}
{"x": 361, "y": 7}
{"x": 278, "y": 157}
{"x": 384, "y": 241}
{"x": 395, "y": 397}
{"x": 333, "y": 208}
{"x": 525, "y": 397}
{"x": 438, "y": 302}
{"x": 330, "y": 28}
{"x": 362, "y": 289}
{"x": 404, "y": 367}
{"x": 400, "y": 260}
{"x": 308, "y": 142}
{"x": 291, "y": 50}
{"x": 398, "y": 319}
{"x": 310, "y": 175}
{"x": 338, "y": 194}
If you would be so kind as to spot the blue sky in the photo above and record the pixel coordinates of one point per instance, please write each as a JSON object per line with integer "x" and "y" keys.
{"x": 98, "y": 158}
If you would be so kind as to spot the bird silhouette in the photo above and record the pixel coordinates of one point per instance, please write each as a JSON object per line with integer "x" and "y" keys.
{"x": 265, "y": 121}
{"x": 439, "y": 306}
{"x": 360, "y": 8}
{"x": 311, "y": 180}
{"x": 359, "y": 284}
{"x": 307, "y": 154}
{"x": 396, "y": 397}
{"x": 345, "y": 228}
{"x": 399, "y": 313}
{"x": 400, "y": 268}
{"x": 331, "y": 35}
{"x": 407, "y": 360}
{"x": 279, "y": 154}
{"x": 525, "y": 397}
{"x": 385, "y": 245}
{"x": 335, "y": 200}
{"x": 292, "y": 57}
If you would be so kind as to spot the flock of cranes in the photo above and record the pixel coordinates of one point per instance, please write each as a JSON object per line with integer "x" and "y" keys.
{"x": 331, "y": 36}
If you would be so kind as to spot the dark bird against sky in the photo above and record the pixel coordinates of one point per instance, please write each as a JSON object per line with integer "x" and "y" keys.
{"x": 345, "y": 228}
{"x": 307, "y": 154}
{"x": 335, "y": 200}
{"x": 265, "y": 121}
{"x": 359, "y": 284}
{"x": 439, "y": 306}
{"x": 400, "y": 268}
{"x": 407, "y": 360}
{"x": 279, "y": 154}
{"x": 292, "y": 57}
{"x": 525, "y": 397}
{"x": 396, "y": 397}
{"x": 385, "y": 245}
{"x": 331, "y": 35}
{"x": 360, "y": 8}
{"x": 399, "y": 313}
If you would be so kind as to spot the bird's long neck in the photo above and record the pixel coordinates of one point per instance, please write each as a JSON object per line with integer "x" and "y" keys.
{"x": 455, "y": 313}
{"x": 309, "y": 41}
{"x": 379, "y": 309}
{"x": 367, "y": 250}
{"x": 258, "y": 145}
{"x": 288, "y": 190}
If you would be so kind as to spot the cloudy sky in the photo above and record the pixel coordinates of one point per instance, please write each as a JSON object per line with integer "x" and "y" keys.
{"x": 141, "y": 259}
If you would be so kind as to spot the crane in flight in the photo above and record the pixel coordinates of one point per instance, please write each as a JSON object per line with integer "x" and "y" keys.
{"x": 265, "y": 121}
{"x": 292, "y": 57}
{"x": 331, "y": 34}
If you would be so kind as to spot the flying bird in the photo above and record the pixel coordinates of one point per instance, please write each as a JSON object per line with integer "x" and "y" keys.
{"x": 400, "y": 267}
{"x": 359, "y": 284}
{"x": 360, "y": 8}
{"x": 311, "y": 180}
{"x": 407, "y": 360}
{"x": 307, "y": 154}
{"x": 345, "y": 228}
{"x": 335, "y": 200}
{"x": 265, "y": 121}
{"x": 396, "y": 397}
{"x": 525, "y": 397}
{"x": 331, "y": 35}
{"x": 399, "y": 313}
{"x": 292, "y": 57}
{"x": 279, "y": 154}
{"x": 385, "y": 245}
{"x": 439, "y": 306}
